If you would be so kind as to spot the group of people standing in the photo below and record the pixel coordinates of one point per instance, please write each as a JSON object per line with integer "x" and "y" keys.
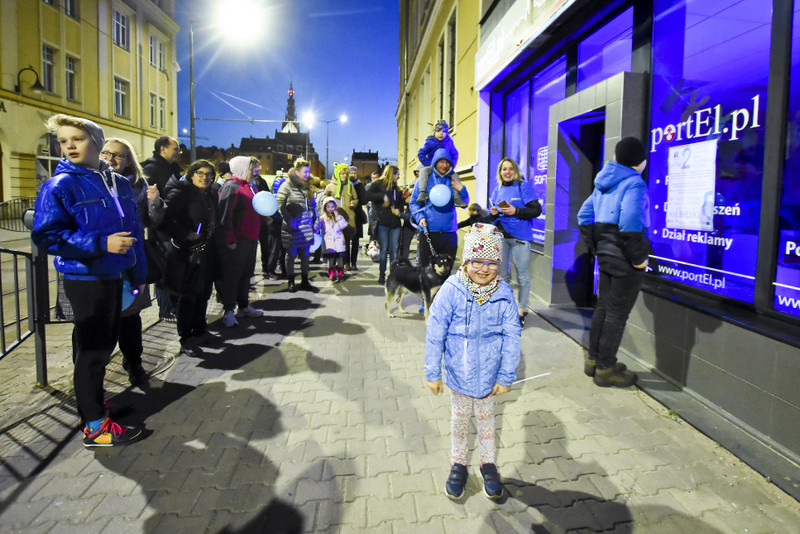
{"x": 93, "y": 214}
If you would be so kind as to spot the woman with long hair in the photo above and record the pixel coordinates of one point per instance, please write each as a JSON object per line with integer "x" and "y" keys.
{"x": 121, "y": 157}
{"x": 388, "y": 203}
{"x": 513, "y": 205}
{"x": 239, "y": 227}
{"x": 298, "y": 208}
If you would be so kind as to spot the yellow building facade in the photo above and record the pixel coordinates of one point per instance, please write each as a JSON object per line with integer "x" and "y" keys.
{"x": 438, "y": 43}
{"x": 110, "y": 61}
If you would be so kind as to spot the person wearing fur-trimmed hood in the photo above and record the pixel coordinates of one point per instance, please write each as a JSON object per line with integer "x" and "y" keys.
{"x": 299, "y": 211}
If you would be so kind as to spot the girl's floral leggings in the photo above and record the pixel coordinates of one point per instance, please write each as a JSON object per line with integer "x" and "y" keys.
{"x": 461, "y": 410}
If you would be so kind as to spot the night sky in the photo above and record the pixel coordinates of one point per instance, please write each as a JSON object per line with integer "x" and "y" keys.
{"x": 340, "y": 56}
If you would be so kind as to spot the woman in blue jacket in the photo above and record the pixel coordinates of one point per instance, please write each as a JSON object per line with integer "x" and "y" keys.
{"x": 86, "y": 216}
{"x": 513, "y": 205}
{"x": 613, "y": 223}
{"x": 474, "y": 334}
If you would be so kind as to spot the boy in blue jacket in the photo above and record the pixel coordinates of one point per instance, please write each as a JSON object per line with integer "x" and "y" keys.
{"x": 473, "y": 332}
{"x": 440, "y": 139}
{"x": 86, "y": 216}
{"x": 613, "y": 223}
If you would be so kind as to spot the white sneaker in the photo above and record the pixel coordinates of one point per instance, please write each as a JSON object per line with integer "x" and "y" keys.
{"x": 229, "y": 319}
{"x": 249, "y": 311}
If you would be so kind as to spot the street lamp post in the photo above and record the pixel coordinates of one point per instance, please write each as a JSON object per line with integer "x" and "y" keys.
{"x": 192, "y": 139}
{"x": 342, "y": 118}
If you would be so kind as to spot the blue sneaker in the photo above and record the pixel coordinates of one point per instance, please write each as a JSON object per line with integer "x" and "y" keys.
{"x": 492, "y": 486}
{"x": 456, "y": 481}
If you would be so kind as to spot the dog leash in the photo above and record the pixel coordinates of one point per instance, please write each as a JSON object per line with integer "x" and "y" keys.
{"x": 430, "y": 244}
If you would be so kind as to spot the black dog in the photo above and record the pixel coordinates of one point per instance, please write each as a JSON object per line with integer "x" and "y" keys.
{"x": 422, "y": 281}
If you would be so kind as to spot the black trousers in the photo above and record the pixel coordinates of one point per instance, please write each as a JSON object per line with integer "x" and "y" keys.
{"x": 96, "y": 306}
{"x": 351, "y": 252}
{"x": 236, "y": 269}
{"x": 277, "y": 256}
{"x": 130, "y": 339}
{"x": 617, "y": 295}
{"x": 443, "y": 243}
{"x": 406, "y": 237}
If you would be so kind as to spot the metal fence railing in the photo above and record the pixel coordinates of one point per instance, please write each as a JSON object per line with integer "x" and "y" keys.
{"x": 11, "y": 213}
{"x": 16, "y": 299}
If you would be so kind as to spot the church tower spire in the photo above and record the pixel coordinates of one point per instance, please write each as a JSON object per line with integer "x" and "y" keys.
{"x": 291, "y": 114}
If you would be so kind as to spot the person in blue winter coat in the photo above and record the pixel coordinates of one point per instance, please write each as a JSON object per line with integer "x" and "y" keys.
{"x": 86, "y": 216}
{"x": 438, "y": 221}
{"x": 613, "y": 223}
{"x": 440, "y": 139}
{"x": 513, "y": 205}
{"x": 473, "y": 333}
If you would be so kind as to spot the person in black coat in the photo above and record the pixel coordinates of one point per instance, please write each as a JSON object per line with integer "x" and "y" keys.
{"x": 189, "y": 224}
{"x": 387, "y": 204}
{"x": 121, "y": 156}
{"x": 158, "y": 170}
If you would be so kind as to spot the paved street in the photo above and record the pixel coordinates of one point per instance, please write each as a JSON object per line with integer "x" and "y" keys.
{"x": 316, "y": 418}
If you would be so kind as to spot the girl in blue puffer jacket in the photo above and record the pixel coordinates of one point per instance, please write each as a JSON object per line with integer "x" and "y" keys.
{"x": 473, "y": 332}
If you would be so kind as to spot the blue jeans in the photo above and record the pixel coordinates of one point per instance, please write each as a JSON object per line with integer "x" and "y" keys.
{"x": 388, "y": 239}
{"x": 520, "y": 252}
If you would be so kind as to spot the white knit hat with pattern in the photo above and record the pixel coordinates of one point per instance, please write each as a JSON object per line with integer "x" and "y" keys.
{"x": 483, "y": 241}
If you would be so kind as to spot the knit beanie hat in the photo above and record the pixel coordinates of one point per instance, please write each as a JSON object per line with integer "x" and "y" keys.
{"x": 353, "y": 168}
{"x": 95, "y": 132}
{"x": 239, "y": 166}
{"x": 483, "y": 241}
{"x": 630, "y": 152}
{"x": 441, "y": 124}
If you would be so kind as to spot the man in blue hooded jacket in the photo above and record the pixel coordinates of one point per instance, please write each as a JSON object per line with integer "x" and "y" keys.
{"x": 613, "y": 223}
{"x": 440, "y": 222}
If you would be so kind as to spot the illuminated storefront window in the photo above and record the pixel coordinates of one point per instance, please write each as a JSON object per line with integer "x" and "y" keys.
{"x": 606, "y": 52}
{"x": 787, "y": 274}
{"x": 707, "y": 141}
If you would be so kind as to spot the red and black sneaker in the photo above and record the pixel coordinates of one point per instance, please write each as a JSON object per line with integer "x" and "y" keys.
{"x": 111, "y": 434}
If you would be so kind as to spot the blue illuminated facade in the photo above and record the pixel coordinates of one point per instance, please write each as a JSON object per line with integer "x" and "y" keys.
{"x": 719, "y": 315}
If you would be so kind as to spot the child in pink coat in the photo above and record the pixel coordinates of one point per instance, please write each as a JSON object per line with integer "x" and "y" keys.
{"x": 332, "y": 224}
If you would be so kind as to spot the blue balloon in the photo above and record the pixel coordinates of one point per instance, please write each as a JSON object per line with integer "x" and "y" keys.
{"x": 265, "y": 203}
{"x": 317, "y": 242}
{"x": 440, "y": 195}
{"x": 127, "y": 295}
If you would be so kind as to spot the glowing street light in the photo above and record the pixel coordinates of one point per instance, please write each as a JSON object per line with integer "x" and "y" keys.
{"x": 246, "y": 16}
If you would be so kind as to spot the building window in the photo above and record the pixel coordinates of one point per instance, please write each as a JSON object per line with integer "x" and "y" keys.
{"x": 49, "y": 2}
{"x": 153, "y": 53}
{"x": 152, "y": 110}
{"x": 451, "y": 51}
{"x": 161, "y": 56}
{"x": 120, "y": 97}
{"x": 121, "y": 30}
{"x": 707, "y": 142}
{"x": 786, "y": 297}
{"x": 71, "y": 8}
{"x": 606, "y": 52}
{"x": 48, "y": 154}
{"x": 70, "y": 79}
{"x": 162, "y": 113}
{"x": 48, "y": 68}
{"x": 549, "y": 87}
